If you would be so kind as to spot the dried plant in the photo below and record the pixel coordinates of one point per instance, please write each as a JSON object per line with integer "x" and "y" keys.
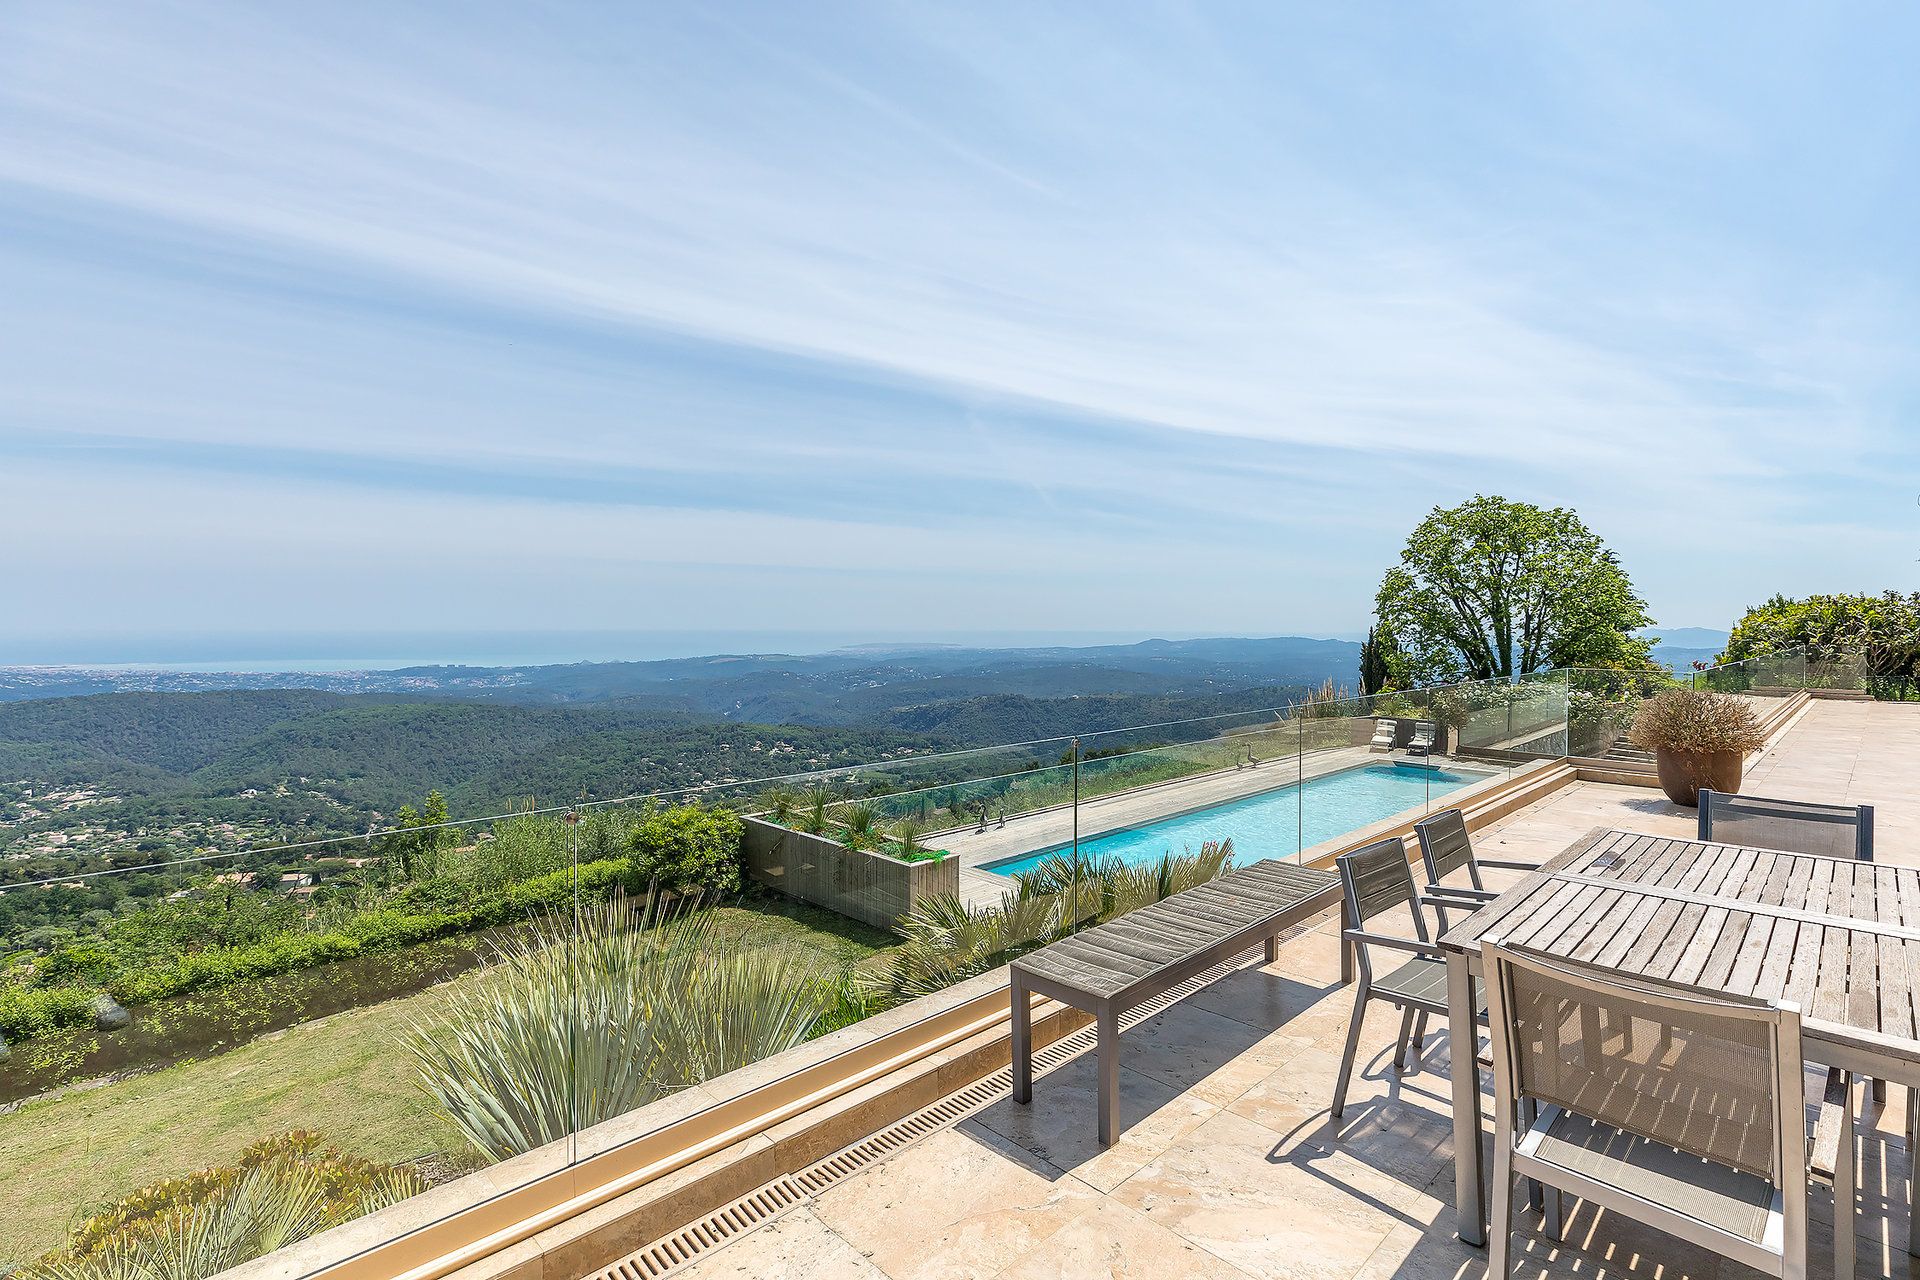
{"x": 1695, "y": 721}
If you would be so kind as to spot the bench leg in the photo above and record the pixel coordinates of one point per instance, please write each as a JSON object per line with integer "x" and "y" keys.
{"x": 1273, "y": 949}
{"x": 1109, "y": 1064}
{"x": 1022, "y": 1043}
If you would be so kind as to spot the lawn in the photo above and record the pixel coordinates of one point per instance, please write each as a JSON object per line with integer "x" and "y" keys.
{"x": 343, "y": 1075}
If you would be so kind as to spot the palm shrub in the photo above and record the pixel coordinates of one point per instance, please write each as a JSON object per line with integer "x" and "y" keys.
{"x": 1115, "y": 887}
{"x": 1133, "y": 887}
{"x": 571, "y": 1028}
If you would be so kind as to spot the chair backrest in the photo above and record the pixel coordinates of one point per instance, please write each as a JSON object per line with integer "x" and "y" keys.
{"x": 1798, "y": 826}
{"x": 1446, "y": 847}
{"x": 1718, "y": 1079}
{"x": 1424, "y": 730}
{"x": 1376, "y": 879}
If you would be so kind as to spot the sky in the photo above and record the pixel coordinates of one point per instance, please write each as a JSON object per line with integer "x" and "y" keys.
{"x": 910, "y": 320}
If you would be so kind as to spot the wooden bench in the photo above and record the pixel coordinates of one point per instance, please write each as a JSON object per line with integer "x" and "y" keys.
{"x": 1124, "y": 963}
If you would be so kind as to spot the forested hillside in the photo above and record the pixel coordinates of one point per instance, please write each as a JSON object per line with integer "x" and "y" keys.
{"x": 144, "y": 782}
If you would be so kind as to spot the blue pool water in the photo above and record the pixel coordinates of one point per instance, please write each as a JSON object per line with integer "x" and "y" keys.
{"x": 1273, "y": 824}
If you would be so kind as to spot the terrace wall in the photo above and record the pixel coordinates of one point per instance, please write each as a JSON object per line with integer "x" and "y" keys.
{"x": 868, "y": 887}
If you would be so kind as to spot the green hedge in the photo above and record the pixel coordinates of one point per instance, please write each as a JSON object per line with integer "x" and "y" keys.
{"x": 36, "y": 1009}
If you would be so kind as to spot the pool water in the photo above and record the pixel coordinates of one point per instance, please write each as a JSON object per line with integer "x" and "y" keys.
{"x": 1273, "y": 824}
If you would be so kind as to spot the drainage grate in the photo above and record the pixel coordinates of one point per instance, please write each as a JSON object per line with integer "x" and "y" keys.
{"x": 670, "y": 1253}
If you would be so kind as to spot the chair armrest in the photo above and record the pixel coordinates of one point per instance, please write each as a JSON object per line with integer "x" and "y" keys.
{"x": 1461, "y": 892}
{"x": 1506, "y": 865}
{"x": 1414, "y": 945}
{"x": 1835, "y": 1123}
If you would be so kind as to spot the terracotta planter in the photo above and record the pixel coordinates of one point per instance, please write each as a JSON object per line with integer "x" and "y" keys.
{"x": 1683, "y": 773}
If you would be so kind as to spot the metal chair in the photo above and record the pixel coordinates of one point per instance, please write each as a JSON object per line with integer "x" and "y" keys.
{"x": 1425, "y": 732}
{"x": 1376, "y": 881}
{"x": 1384, "y": 732}
{"x": 1678, "y": 1111}
{"x": 1798, "y": 826}
{"x": 1445, "y": 847}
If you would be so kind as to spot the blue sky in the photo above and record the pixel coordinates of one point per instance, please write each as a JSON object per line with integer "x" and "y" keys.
{"x": 921, "y": 318}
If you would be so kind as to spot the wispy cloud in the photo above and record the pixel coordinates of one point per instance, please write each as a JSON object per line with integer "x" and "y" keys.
{"x": 1261, "y": 285}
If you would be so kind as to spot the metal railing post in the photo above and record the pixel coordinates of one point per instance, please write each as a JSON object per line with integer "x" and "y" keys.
{"x": 1076, "y": 810}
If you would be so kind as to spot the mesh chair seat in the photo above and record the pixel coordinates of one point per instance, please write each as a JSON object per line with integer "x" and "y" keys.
{"x": 1422, "y": 983}
{"x": 1738, "y": 1203}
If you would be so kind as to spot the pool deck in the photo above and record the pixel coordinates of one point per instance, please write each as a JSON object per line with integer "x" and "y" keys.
{"x": 1030, "y": 832}
{"x": 1231, "y": 1168}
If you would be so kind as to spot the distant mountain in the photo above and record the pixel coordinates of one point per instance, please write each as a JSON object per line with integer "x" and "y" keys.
{"x": 1689, "y": 637}
{"x": 105, "y": 768}
{"x": 1681, "y": 647}
{"x": 830, "y": 688}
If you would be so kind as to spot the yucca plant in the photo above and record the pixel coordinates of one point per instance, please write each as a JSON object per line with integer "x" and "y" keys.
{"x": 909, "y": 835}
{"x": 1131, "y": 887}
{"x": 779, "y": 803}
{"x": 814, "y": 802}
{"x": 573, "y": 1028}
{"x": 284, "y": 1191}
{"x": 860, "y": 825}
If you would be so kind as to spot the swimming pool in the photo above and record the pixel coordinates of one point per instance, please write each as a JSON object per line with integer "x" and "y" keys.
{"x": 1273, "y": 824}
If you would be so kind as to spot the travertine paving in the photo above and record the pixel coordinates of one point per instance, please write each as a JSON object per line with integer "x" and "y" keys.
{"x": 1231, "y": 1166}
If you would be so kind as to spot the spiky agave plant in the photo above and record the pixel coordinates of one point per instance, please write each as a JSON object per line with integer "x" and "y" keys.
{"x": 572, "y": 1028}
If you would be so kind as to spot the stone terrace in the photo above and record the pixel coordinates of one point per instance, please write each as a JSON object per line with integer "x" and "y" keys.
{"x": 1231, "y": 1166}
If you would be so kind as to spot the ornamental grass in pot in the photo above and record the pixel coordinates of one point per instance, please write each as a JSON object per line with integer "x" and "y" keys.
{"x": 1698, "y": 740}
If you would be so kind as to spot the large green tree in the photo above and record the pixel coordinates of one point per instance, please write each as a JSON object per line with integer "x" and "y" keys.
{"x": 1499, "y": 588}
{"x": 1883, "y": 630}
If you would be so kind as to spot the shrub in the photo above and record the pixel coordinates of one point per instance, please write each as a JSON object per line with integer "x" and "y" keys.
{"x": 689, "y": 850}
{"x": 1686, "y": 720}
{"x": 948, "y": 941}
{"x": 282, "y": 1190}
{"x": 570, "y": 1030}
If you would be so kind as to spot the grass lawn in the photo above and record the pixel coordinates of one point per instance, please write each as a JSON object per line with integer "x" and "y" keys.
{"x": 345, "y": 1076}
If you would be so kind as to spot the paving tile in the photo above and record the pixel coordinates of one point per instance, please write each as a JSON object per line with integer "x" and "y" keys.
{"x": 794, "y": 1246}
{"x": 1112, "y": 1241}
{"x": 1231, "y": 1189}
{"x": 1061, "y": 1124}
{"x": 953, "y": 1205}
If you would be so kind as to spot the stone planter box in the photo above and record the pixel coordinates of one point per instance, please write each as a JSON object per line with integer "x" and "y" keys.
{"x": 868, "y": 887}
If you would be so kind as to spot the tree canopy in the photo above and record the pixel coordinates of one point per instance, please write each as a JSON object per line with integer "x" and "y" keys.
{"x": 1498, "y": 588}
{"x": 1884, "y": 630}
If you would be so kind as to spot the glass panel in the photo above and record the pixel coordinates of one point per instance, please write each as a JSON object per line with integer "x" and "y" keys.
{"x": 252, "y": 1016}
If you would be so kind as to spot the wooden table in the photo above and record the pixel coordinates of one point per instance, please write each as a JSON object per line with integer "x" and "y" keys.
{"x": 1839, "y": 937}
{"x": 1122, "y": 964}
